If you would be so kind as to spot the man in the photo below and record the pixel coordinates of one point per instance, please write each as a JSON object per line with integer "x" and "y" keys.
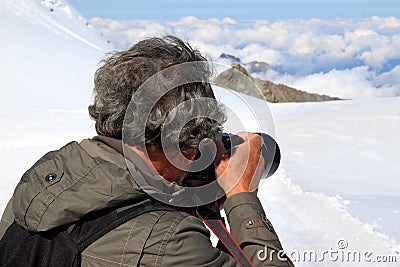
{"x": 131, "y": 157}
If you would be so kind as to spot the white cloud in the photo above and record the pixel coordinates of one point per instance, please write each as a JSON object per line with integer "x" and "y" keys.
{"x": 151, "y": 30}
{"x": 256, "y": 52}
{"x": 324, "y": 56}
{"x": 352, "y": 83}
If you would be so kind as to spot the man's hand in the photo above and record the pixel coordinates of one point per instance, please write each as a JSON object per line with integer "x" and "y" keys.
{"x": 241, "y": 171}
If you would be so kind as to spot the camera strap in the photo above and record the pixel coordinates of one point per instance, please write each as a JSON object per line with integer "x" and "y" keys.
{"x": 216, "y": 224}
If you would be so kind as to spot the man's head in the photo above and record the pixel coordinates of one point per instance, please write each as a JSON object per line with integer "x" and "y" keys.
{"x": 123, "y": 73}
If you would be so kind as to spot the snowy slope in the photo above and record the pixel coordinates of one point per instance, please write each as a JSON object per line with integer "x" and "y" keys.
{"x": 347, "y": 149}
{"x": 51, "y": 52}
{"x": 340, "y": 172}
{"x": 339, "y": 178}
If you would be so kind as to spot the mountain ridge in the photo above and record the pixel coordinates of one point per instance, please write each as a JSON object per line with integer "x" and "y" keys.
{"x": 272, "y": 92}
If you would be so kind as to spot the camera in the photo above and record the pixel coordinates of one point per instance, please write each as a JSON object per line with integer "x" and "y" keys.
{"x": 269, "y": 151}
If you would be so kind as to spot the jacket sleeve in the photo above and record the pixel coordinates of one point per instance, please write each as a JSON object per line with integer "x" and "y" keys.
{"x": 253, "y": 231}
{"x": 190, "y": 244}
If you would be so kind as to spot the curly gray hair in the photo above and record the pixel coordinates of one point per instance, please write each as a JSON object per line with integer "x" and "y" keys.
{"x": 123, "y": 72}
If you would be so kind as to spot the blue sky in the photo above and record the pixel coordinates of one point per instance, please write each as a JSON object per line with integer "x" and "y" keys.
{"x": 237, "y": 9}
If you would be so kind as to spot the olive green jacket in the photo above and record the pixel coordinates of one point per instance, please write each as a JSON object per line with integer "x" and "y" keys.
{"x": 66, "y": 184}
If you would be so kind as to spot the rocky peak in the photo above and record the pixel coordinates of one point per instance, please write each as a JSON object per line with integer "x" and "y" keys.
{"x": 270, "y": 91}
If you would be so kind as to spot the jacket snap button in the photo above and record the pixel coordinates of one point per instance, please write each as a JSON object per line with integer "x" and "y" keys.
{"x": 50, "y": 177}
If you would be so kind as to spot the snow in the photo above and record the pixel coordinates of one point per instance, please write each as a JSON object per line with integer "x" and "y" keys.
{"x": 339, "y": 175}
{"x": 339, "y": 178}
{"x": 46, "y": 48}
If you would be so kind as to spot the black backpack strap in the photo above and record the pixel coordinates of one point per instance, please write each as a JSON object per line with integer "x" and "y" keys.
{"x": 95, "y": 225}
